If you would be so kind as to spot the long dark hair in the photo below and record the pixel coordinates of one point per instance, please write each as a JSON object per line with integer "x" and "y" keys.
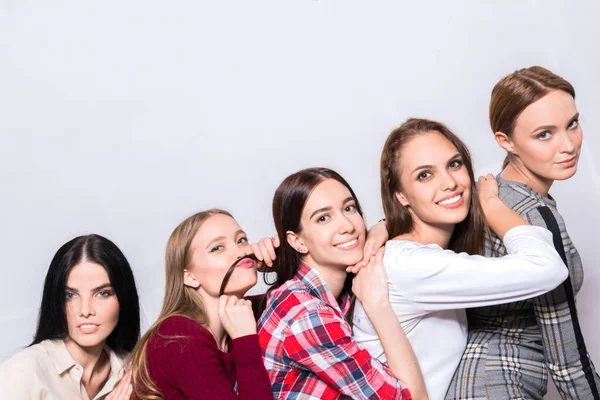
{"x": 52, "y": 322}
{"x": 468, "y": 235}
{"x": 288, "y": 204}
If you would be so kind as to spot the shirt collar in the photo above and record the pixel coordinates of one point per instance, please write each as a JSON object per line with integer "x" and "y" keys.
{"x": 318, "y": 287}
{"x": 63, "y": 360}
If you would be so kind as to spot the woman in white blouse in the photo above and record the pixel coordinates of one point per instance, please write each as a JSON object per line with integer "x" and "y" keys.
{"x": 435, "y": 216}
{"x": 88, "y": 323}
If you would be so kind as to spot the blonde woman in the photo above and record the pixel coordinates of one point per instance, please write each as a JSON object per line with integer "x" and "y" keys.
{"x": 204, "y": 344}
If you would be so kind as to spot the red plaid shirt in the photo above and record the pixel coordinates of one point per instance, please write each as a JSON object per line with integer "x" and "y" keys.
{"x": 308, "y": 349}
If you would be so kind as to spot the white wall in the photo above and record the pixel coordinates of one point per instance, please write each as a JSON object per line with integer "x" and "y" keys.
{"x": 122, "y": 118}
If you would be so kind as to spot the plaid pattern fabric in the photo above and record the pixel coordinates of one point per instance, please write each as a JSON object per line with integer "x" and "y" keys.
{"x": 308, "y": 349}
{"x": 513, "y": 347}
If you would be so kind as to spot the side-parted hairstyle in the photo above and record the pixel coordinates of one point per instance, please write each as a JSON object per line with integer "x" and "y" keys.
{"x": 52, "y": 322}
{"x": 516, "y": 91}
{"x": 179, "y": 300}
{"x": 468, "y": 235}
{"x": 288, "y": 204}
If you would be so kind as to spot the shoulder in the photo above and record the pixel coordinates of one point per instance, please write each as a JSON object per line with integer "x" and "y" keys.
{"x": 179, "y": 331}
{"x": 27, "y": 360}
{"x": 290, "y": 305}
{"x": 404, "y": 254}
{"x": 178, "y": 325}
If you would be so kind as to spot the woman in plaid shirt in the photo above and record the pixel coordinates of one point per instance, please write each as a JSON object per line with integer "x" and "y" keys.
{"x": 307, "y": 345}
{"x": 513, "y": 347}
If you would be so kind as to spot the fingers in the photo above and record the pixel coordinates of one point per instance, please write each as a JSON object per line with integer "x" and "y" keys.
{"x": 264, "y": 250}
{"x": 256, "y": 251}
{"x": 123, "y": 390}
{"x": 276, "y": 242}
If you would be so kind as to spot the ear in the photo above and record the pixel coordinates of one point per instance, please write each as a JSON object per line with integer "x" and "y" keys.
{"x": 402, "y": 199}
{"x": 296, "y": 242}
{"x": 190, "y": 280}
{"x": 504, "y": 141}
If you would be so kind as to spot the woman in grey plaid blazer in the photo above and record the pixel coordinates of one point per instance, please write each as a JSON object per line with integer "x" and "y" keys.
{"x": 513, "y": 347}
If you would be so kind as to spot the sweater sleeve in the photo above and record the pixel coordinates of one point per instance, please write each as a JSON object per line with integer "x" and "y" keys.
{"x": 252, "y": 378}
{"x": 188, "y": 359}
{"x": 436, "y": 279}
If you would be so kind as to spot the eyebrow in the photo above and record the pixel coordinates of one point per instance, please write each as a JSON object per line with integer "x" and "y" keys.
{"x": 223, "y": 237}
{"x": 420, "y": 167}
{"x": 347, "y": 199}
{"x": 104, "y": 285}
{"x": 550, "y": 127}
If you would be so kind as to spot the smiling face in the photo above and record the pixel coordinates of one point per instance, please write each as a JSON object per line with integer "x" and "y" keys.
{"x": 91, "y": 305}
{"x": 332, "y": 231}
{"x": 435, "y": 182}
{"x": 219, "y": 242}
{"x": 547, "y": 137}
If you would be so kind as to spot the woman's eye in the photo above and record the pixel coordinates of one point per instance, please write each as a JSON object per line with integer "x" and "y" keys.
{"x": 242, "y": 240}
{"x": 69, "y": 296}
{"x": 350, "y": 208}
{"x": 105, "y": 293}
{"x": 216, "y": 248}
{"x": 323, "y": 218}
{"x": 543, "y": 135}
{"x": 423, "y": 175}
{"x": 574, "y": 124}
{"x": 456, "y": 164}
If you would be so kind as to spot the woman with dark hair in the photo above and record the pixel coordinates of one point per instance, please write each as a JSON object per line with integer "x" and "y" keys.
{"x": 88, "y": 323}
{"x": 435, "y": 214}
{"x": 204, "y": 343}
{"x": 307, "y": 342}
{"x": 513, "y": 347}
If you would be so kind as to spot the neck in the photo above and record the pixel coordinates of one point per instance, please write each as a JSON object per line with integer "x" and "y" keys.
{"x": 428, "y": 234}
{"x": 334, "y": 276}
{"x": 517, "y": 172}
{"x": 90, "y": 358}
{"x": 211, "y": 306}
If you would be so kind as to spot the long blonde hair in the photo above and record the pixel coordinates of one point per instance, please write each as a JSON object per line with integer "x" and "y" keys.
{"x": 180, "y": 300}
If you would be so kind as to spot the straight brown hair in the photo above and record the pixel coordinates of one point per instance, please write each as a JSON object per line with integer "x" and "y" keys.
{"x": 469, "y": 234}
{"x": 517, "y": 91}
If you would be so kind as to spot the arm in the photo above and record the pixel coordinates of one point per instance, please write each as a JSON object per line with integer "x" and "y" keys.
{"x": 189, "y": 360}
{"x": 15, "y": 383}
{"x": 438, "y": 279}
{"x": 371, "y": 288}
{"x": 252, "y": 378}
{"x": 320, "y": 340}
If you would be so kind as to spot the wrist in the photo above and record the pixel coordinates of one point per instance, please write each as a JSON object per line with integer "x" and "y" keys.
{"x": 377, "y": 307}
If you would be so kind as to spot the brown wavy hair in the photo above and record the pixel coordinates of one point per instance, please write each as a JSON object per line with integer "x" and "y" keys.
{"x": 469, "y": 234}
{"x": 180, "y": 300}
{"x": 516, "y": 91}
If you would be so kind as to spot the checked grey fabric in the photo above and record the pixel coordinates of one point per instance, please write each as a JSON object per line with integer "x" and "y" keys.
{"x": 512, "y": 348}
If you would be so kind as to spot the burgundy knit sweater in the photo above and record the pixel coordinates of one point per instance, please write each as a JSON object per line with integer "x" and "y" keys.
{"x": 192, "y": 366}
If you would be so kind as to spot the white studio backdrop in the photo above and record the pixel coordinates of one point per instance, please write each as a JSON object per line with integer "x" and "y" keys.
{"x": 124, "y": 117}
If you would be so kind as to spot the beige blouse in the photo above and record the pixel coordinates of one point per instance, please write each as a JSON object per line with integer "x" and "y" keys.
{"x": 47, "y": 371}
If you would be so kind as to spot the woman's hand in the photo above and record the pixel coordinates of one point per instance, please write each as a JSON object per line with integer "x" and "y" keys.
{"x": 123, "y": 389}
{"x": 498, "y": 215}
{"x": 264, "y": 250}
{"x": 487, "y": 188}
{"x": 376, "y": 239}
{"x": 236, "y": 316}
{"x": 370, "y": 285}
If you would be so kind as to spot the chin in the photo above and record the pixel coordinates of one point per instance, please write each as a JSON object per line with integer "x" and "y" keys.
{"x": 565, "y": 174}
{"x": 89, "y": 341}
